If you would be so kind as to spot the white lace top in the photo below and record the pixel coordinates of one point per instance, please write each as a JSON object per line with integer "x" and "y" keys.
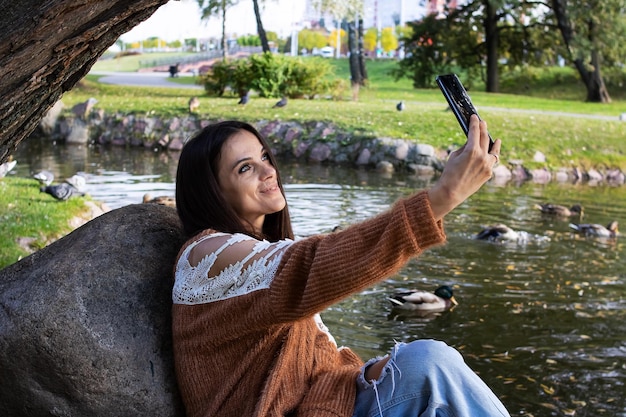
{"x": 193, "y": 285}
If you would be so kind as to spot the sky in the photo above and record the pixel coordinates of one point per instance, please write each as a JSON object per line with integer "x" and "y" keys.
{"x": 177, "y": 20}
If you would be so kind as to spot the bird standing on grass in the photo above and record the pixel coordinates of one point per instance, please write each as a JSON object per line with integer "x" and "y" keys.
{"x": 44, "y": 177}
{"x": 244, "y": 99}
{"x": 82, "y": 110}
{"x": 400, "y": 106}
{"x": 441, "y": 300}
{"x": 281, "y": 103}
{"x": 6, "y": 167}
{"x": 194, "y": 104}
{"x": 77, "y": 181}
{"x": 62, "y": 192}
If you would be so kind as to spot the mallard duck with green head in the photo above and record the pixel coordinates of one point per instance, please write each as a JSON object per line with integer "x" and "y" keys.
{"x": 441, "y": 300}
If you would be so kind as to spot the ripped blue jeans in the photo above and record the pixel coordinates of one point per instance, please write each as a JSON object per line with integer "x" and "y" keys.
{"x": 425, "y": 378}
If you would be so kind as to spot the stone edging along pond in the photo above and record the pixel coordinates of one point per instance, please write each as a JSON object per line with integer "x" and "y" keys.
{"x": 313, "y": 142}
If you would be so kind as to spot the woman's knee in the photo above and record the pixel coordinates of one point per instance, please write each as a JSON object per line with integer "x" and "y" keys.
{"x": 426, "y": 356}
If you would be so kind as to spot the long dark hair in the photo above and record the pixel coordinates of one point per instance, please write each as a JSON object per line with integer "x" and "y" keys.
{"x": 199, "y": 200}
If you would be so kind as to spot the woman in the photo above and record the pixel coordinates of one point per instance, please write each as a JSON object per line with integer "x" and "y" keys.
{"x": 248, "y": 340}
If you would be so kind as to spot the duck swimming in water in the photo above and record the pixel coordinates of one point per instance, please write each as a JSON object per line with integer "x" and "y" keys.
{"x": 597, "y": 230}
{"x": 441, "y": 300}
{"x": 560, "y": 211}
{"x": 497, "y": 233}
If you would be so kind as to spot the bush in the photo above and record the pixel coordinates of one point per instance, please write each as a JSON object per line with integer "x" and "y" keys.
{"x": 271, "y": 75}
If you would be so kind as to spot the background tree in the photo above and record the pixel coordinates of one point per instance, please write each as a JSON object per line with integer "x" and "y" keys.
{"x": 593, "y": 34}
{"x": 310, "y": 39}
{"x": 334, "y": 36}
{"x": 388, "y": 40}
{"x": 209, "y": 8}
{"x": 370, "y": 39}
{"x": 349, "y": 10}
{"x": 469, "y": 38}
{"x": 41, "y": 59}
{"x": 259, "y": 26}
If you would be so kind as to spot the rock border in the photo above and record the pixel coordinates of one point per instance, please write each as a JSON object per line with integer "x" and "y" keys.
{"x": 311, "y": 142}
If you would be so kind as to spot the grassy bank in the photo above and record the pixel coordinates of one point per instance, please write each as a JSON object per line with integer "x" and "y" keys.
{"x": 31, "y": 219}
{"x": 525, "y": 123}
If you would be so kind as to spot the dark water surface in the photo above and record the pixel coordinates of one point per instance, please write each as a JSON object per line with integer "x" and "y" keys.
{"x": 542, "y": 320}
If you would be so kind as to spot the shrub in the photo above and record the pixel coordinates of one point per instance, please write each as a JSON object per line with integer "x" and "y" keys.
{"x": 272, "y": 75}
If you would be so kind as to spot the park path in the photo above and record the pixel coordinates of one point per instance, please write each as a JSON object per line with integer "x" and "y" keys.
{"x": 163, "y": 79}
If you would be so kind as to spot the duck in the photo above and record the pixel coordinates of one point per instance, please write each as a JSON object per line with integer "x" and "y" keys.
{"x": 497, "y": 232}
{"x": 281, "y": 103}
{"x": 194, "y": 104}
{"x": 400, "y": 106}
{"x": 62, "y": 191}
{"x": 594, "y": 229}
{"x": 162, "y": 200}
{"x": 44, "y": 177}
{"x": 77, "y": 181}
{"x": 441, "y": 300}
{"x": 6, "y": 167}
{"x": 244, "y": 99}
{"x": 560, "y": 211}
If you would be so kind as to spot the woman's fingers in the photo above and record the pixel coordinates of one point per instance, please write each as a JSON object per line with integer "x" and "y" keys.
{"x": 467, "y": 169}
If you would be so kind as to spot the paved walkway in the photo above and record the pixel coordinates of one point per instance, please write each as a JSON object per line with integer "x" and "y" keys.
{"x": 143, "y": 79}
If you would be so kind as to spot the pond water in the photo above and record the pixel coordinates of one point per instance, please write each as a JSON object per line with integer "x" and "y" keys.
{"x": 543, "y": 320}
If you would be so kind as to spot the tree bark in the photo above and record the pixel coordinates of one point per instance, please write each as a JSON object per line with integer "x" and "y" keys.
{"x": 356, "y": 79}
{"x": 491, "y": 43}
{"x": 594, "y": 83}
{"x": 224, "y": 41}
{"x": 362, "y": 67}
{"x": 259, "y": 27}
{"x": 47, "y": 47}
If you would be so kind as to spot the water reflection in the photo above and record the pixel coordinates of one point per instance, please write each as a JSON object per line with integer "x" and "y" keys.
{"x": 542, "y": 321}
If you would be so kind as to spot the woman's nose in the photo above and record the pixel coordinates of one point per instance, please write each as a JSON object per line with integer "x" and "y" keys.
{"x": 268, "y": 171}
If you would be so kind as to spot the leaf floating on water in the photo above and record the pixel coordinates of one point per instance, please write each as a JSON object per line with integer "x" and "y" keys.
{"x": 509, "y": 380}
{"x": 548, "y": 390}
{"x": 579, "y": 403}
{"x": 551, "y": 361}
{"x": 568, "y": 412}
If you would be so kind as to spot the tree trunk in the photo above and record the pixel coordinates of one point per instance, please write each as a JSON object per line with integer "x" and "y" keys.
{"x": 594, "y": 83}
{"x": 362, "y": 67}
{"x": 491, "y": 42}
{"x": 224, "y": 42}
{"x": 259, "y": 27}
{"x": 355, "y": 70}
{"x": 47, "y": 47}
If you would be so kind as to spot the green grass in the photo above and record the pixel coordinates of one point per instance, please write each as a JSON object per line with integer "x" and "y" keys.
{"x": 521, "y": 121}
{"x": 29, "y": 214}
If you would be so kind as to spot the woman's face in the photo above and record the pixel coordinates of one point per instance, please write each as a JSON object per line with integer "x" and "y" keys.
{"x": 248, "y": 180}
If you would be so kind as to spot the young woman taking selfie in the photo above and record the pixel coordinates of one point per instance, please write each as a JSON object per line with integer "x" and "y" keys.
{"x": 248, "y": 338}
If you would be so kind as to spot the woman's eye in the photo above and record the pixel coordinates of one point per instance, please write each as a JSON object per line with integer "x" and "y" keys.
{"x": 266, "y": 156}
{"x": 244, "y": 168}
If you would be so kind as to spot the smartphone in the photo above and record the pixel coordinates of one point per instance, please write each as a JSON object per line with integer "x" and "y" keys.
{"x": 459, "y": 101}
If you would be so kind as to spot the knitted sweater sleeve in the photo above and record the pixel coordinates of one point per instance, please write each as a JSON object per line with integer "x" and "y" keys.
{"x": 317, "y": 272}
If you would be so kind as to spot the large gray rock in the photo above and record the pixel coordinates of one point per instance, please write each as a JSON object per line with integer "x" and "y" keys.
{"x": 85, "y": 325}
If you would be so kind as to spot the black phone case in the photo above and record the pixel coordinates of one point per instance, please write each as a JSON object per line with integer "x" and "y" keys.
{"x": 459, "y": 101}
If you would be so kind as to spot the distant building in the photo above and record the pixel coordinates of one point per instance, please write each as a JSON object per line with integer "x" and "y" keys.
{"x": 438, "y": 6}
{"x": 377, "y": 13}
